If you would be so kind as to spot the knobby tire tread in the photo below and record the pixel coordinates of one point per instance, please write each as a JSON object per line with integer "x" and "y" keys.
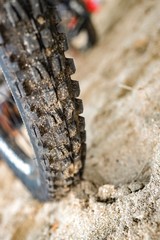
{"x": 46, "y": 91}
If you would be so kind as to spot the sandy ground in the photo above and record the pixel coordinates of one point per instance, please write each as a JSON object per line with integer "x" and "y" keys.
{"x": 119, "y": 197}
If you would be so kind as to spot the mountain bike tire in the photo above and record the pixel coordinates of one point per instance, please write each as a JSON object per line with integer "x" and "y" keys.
{"x": 88, "y": 27}
{"x": 92, "y": 35}
{"x": 39, "y": 76}
{"x": 85, "y": 24}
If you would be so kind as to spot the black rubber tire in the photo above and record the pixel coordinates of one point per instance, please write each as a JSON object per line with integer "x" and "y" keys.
{"x": 91, "y": 32}
{"x": 84, "y": 24}
{"x": 38, "y": 74}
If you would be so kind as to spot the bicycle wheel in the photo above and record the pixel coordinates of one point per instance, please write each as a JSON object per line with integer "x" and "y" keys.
{"x": 38, "y": 74}
{"x": 91, "y": 32}
{"x": 78, "y": 25}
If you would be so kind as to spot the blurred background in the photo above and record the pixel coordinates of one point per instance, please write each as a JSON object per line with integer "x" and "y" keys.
{"x": 115, "y": 46}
